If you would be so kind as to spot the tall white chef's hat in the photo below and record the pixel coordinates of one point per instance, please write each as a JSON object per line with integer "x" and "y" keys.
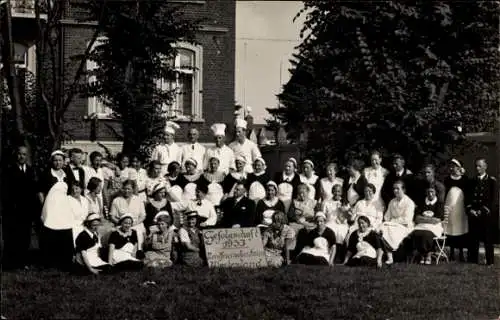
{"x": 218, "y": 129}
{"x": 171, "y": 127}
{"x": 240, "y": 123}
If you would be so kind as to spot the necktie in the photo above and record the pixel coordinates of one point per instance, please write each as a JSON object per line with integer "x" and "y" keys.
{"x": 95, "y": 238}
{"x": 192, "y": 147}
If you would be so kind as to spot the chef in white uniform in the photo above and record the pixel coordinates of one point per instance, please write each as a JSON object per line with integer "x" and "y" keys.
{"x": 193, "y": 150}
{"x": 243, "y": 146}
{"x": 220, "y": 151}
{"x": 169, "y": 150}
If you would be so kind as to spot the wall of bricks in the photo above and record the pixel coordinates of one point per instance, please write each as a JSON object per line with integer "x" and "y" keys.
{"x": 218, "y": 41}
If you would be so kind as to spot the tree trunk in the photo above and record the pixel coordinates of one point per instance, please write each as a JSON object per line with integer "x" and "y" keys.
{"x": 10, "y": 71}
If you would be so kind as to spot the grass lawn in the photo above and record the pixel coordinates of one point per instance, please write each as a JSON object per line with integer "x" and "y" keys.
{"x": 453, "y": 291}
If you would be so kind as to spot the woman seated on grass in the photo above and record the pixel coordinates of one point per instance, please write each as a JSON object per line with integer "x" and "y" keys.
{"x": 191, "y": 241}
{"x": 309, "y": 242}
{"x": 160, "y": 242}
{"x": 88, "y": 248}
{"x": 278, "y": 241}
{"x": 428, "y": 221}
{"x": 364, "y": 248}
{"x": 123, "y": 246}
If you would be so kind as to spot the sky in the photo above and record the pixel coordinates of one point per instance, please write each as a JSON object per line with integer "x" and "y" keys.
{"x": 265, "y": 40}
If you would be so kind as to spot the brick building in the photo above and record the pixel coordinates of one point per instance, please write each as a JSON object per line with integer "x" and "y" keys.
{"x": 206, "y": 94}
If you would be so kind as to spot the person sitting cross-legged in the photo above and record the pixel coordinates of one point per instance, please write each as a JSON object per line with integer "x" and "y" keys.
{"x": 364, "y": 248}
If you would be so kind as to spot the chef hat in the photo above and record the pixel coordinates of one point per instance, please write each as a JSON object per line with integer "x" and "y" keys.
{"x": 171, "y": 127}
{"x": 192, "y": 161}
{"x": 218, "y": 129}
{"x": 161, "y": 214}
{"x": 309, "y": 162}
{"x": 241, "y": 158}
{"x": 320, "y": 214}
{"x": 240, "y": 123}
{"x": 57, "y": 153}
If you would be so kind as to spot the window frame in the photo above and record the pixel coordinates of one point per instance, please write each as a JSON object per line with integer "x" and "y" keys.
{"x": 197, "y": 82}
{"x": 93, "y": 102}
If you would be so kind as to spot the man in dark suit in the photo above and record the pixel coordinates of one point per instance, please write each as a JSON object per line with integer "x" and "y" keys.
{"x": 21, "y": 210}
{"x": 238, "y": 211}
{"x": 74, "y": 170}
{"x": 398, "y": 172}
{"x": 481, "y": 208}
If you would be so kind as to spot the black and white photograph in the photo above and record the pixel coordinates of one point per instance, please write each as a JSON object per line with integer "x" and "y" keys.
{"x": 232, "y": 159}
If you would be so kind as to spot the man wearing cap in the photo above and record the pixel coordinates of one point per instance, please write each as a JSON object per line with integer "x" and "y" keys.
{"x": 481, "y": 207}
{"x": 248, "y": 149}
{"x": 220, "y": 151}
{"x": 167, "y": 151}
{"x": 193, "y": 150}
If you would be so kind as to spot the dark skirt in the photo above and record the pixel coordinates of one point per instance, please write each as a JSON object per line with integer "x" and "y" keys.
{"x": 458, "y": 242}
{"x": 128, "y": 265}
{"x": 362, "y": 261}
{"x": 422, "y": 241}
{"x": 192, "y": 259}
{"x": 80, "y": 270}
{"x": 309, "y": 259}
{"x": 57, "y": 248}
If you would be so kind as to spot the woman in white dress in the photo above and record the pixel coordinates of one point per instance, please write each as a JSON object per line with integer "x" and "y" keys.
{"x": 368, "y": 207}
{"x": 375, "y": 174}
{"x": 79, "y": 208}
{"x": 336, "y": 214}
{"x": 398, "y": 220}
{"x": 457, "y": 225}
{"x": 309, "y": 178}
{"x": 130, "y": 204}
{"x": 88, "y": 247}
{"x": 324, "y": 191}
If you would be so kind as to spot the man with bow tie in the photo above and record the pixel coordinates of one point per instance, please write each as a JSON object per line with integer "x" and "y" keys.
{"x": 398, "y": 172}
{"x": 193, "y": 150}
{"x": 74, "y": 170}
{"x": 21, "y": 210}
{"x": 239, "y": 210}
{"x": 481, "y": 200}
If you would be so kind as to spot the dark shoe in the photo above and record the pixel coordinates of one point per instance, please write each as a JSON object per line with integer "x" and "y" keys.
{"x": 140, "y": 255}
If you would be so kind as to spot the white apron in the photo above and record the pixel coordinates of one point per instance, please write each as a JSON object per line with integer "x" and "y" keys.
{"x": 394, "y": 233}
{"x": 125, "y": 253}
{"x": 457, "y": 219}
{"x": 92, "y": 256}
{"x": 256, "y": 191}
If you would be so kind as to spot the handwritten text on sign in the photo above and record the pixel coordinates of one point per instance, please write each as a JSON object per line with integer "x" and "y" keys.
{"x": 238, "y": 247}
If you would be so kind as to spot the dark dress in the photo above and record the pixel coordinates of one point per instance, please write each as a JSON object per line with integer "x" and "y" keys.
{"x": 120, "y": 241}
{"x": 56, "y": 246}
{"x": 421, "y": 187}
{"x": 84, "y": 242}
{"x": 373, "y": 239}
{"x": 279, "y": 179}
{"x": 262, "y": 178}
{"x": 21, "y": 210}
{"x": 180, "y": 181}
{"x": 192, "y": 258}
{"x": 423, "y": 240}
{"x": 230, "y": 180}
{"x": 262, "y": 206}
{"x": 305, "y": 238}
{"x": 152, "y": 211}
{"x": 359, "y": 187}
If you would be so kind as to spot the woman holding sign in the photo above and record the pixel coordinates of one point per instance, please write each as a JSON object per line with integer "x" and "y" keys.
{"x": 191, "y": 240}
{"x": 278, "y": 241}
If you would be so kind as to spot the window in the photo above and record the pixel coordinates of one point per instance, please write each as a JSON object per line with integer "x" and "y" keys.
{"x": 187, "y": 103}
{"x": 95, "y": 104}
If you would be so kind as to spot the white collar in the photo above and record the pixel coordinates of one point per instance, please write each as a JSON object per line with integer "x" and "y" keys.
{"x": 481, "y": 177}
{"x": 430, "y": 202}
{"x": 258, "y": 174}
{"x": 58, "y": 173}
{"x": 400, "y": 173}
{"x": 236, "y": 200}
{"x": 288, "y": 178}
{"x": 453, "y": 177}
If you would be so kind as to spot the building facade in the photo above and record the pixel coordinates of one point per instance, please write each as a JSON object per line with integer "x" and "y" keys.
{"x": 205, "y": 83}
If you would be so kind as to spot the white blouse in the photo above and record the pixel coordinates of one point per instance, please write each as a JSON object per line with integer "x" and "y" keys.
{"x": 133, "y": 206}
{"x": 401, "y": 211}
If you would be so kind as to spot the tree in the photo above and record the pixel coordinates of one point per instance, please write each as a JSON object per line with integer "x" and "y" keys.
{"x": 38, "y": 120}
{"x": 401, "y": 77}
{"x": 137, "y": 50}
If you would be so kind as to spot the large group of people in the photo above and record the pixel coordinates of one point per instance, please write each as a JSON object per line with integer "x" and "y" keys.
{"x": 121, "y": 214}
